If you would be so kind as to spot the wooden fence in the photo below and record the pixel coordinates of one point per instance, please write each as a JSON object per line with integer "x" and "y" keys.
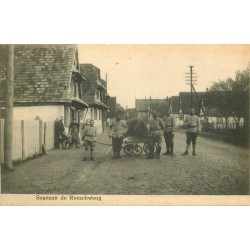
{"x": 29, "y": 138}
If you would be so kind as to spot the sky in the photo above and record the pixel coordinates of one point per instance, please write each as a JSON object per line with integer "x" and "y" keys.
{"x": 139, "y": 71}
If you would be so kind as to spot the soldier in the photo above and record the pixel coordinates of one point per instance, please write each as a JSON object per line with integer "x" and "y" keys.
{"x": 192, "y": 123}
{"x": 117, "y": 132}
{"x": 89, "y": 138}
{"x": 74, "y": 131}
{"x": 156, "y": 127}
{"x": 169, "y": 122}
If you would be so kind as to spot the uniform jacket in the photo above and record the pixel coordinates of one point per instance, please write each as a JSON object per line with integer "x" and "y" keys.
{"x": 156, "y": 126}
{"x": 169, "y": 122}
{"x": 118, "y": 129}
{"x": 89, "y": 133}
{"x": 192, "y": 123}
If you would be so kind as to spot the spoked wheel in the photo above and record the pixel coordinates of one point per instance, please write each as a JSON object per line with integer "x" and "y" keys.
{"x": 128, "y": 149}
{"x": 146, "y": 148}
{"x": 137, "y": 150}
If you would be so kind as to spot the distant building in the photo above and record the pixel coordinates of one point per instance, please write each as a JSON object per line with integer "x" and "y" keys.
{"x": 48, "y": 83}
{"x": 144, "y": 107}
{"x": 95, "y": 94}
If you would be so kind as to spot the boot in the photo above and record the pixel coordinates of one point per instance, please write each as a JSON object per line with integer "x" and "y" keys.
{"x": 186, "y": 151}
{"x": 84, "y": 158}
{"x": 118, "y": 155}
{"x": 167, "y": 152}
{"x": 158, "y": 152}
{"x": 172, "y": 150}
{"x": 114, "y": 155}
{"x": 194, "y": 150}
{"x": 92, "y": 156}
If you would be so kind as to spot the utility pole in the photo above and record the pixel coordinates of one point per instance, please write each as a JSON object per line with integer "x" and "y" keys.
{"x": 191, "y": 80}
{"x": 9, "y": 96}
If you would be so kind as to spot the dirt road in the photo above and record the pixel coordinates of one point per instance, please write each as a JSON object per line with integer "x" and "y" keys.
{"x": 218, "y": 168}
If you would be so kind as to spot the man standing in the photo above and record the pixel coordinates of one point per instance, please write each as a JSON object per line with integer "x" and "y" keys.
{"x": 192, "y": 123}
{"x": 169, "y": 122}
{"x": 89, "y": 138}
{"x": 74, "y": 131}
{"x": 117, "y": 131}
{"x": 156, "y": 127}
{"x": 63, "y": 136}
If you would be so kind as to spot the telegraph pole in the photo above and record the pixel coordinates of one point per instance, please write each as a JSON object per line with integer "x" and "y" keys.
{"x": 191, "y": 80}
{"x": 9, "y": 96}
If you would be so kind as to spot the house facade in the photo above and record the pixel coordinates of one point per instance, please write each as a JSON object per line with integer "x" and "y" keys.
{"x": 144, "y": 107}
{"x": 96, "y": 96}
{"x": 48, "y": 83}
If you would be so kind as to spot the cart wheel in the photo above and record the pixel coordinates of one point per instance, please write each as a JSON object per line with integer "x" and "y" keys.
{"x": 146, "y": 148}
{"x": 128, "y": 149}
{"x": 137, "y": 150}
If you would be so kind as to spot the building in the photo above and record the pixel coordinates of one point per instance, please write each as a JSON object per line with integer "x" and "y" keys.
{"x": 144, "y": 107}
{"x": 95, "y": 94}
{"x": 48, "y": 82}
{"x": 174, "y": 107}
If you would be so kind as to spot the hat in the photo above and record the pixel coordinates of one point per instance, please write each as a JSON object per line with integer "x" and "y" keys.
{"x": 154, "y": 113}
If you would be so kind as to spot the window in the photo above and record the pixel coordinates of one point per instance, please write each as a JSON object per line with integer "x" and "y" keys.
{"x": 97, "y": 94}
{"x": 95, "y": 114}
{"x": 100, "y": 114}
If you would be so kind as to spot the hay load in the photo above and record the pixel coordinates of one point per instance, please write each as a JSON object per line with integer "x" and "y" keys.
{"x": 137, "y": 127}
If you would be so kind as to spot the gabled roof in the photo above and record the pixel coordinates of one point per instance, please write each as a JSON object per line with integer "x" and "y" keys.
{"x": 93, "y": 82}
{"x": 42, "y": 72}
{"x": 159, "y": 105}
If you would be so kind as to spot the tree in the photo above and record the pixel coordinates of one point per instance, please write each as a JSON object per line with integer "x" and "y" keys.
{"x": 221, "y": 98}
{"x": 231, "y": 97}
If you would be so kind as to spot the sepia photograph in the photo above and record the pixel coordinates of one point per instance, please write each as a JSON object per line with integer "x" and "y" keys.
{"x": 87, "y": 123}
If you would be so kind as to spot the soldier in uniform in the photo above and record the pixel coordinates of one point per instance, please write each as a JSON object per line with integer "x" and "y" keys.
{"x": 169, "y": 122}
{"x": 117, "y": 131}
{"x": 89, "y": 137}
{"x": 74, "y": 131}
{"x": 156, "y": 127}
{"x": 192, "y": 123}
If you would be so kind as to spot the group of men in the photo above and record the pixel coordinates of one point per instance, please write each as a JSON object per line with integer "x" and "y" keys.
{"x": 166, "y": 127}
{"x": 69, "y": 135}
{"x": 158, "y": 128}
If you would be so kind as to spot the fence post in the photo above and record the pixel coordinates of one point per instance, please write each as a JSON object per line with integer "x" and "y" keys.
{"x": 44, "y": 151}
{"x": 40, "y": 135}
{"x": 23, "y": 138}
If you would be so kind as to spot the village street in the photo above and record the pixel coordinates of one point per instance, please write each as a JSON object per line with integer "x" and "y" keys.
{"x": 218, "y": 168}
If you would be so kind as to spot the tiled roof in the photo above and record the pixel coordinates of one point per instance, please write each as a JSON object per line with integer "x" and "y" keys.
{"x": 42, "y": 72}
{"x": 91, "y": 74}
{"x": 93, "y": 81}
{"x": 159, "y": 105}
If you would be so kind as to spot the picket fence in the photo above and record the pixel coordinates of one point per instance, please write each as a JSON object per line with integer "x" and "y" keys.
{"x": 29, "y": 138}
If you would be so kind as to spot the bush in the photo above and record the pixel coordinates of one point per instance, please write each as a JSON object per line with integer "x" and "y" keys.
{"x": 137, "y": 127}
